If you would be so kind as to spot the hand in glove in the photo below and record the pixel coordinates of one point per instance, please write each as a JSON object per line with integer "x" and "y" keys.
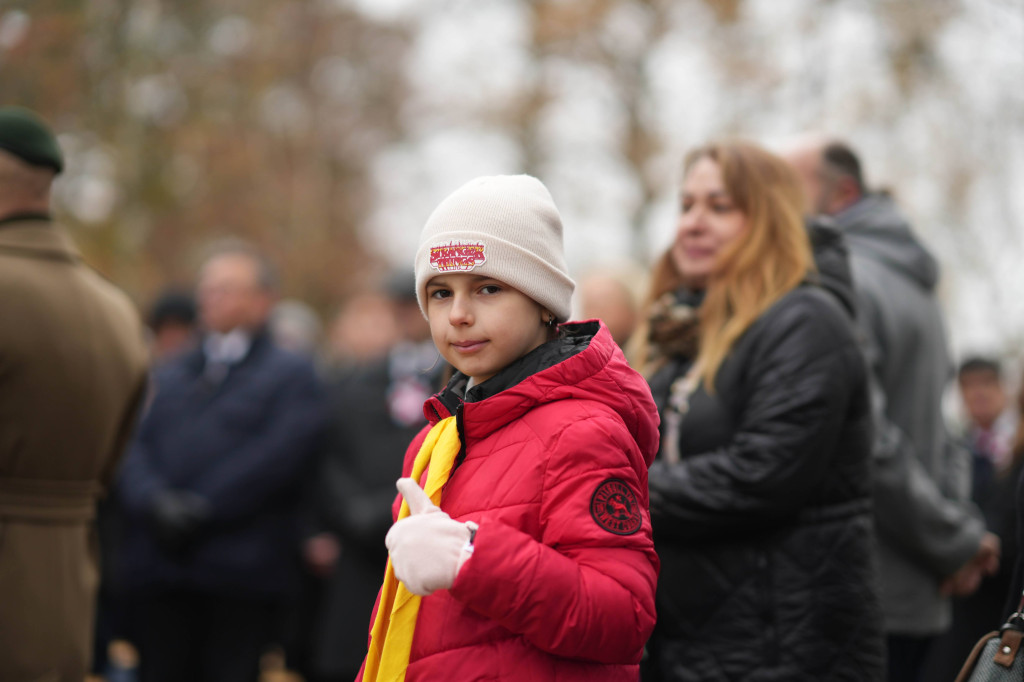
{"x": 427, "y": 547}
{"x": 177, "y": 517}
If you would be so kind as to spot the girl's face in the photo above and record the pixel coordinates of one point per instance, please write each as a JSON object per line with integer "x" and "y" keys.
{"x": 708, "y": 222}
{"x": 481, "y": 325}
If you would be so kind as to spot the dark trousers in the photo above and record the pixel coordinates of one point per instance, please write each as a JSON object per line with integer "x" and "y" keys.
{"x": 185, "y": 635}
{"x": 906, "y": 657}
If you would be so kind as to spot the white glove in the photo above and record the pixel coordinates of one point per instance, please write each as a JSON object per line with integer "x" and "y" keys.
{"x": 427, "y": 548}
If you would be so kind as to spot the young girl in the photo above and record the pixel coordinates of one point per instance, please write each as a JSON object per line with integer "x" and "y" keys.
{"x": 527, "y": 553}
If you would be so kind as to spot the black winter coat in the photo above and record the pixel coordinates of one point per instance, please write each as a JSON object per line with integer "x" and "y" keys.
{"x": 243, "y": 445}
{"x": 764, "y": 527}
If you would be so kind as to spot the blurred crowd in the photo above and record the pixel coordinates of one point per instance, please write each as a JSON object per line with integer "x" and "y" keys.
{"x": 277, "y": 474}
{"x": 243, "y": 530}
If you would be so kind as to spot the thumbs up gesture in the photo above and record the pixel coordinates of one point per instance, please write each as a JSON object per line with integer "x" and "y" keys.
{"x": 428, "y": 547}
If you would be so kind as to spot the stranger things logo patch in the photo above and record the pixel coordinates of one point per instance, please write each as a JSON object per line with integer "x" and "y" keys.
{"x": 615, "y": 508}
{"x": 457, "y": 256}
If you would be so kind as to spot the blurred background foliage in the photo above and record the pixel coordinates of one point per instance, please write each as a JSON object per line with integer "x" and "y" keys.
{"x": 188, "y": 120}
{"x": 326, "y": 130}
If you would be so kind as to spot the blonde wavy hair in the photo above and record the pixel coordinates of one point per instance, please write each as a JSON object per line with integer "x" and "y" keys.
{"x": 772, "y": 257}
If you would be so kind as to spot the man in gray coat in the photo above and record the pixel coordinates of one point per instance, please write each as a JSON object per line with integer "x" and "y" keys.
{"x": 933, "y": 542}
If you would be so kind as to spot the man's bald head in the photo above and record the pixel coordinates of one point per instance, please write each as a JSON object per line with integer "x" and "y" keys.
{"x": 830, "y": 172}
{"x": 607, "y": 298}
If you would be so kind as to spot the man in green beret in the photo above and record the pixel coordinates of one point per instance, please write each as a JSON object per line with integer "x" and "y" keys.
{"x": 24, "y": 135}
{"x": 73, "y": 366}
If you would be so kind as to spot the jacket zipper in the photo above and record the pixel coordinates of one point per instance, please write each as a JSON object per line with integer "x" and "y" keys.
{"x": 460, "y": 428}
{"x": 769, "y": 614}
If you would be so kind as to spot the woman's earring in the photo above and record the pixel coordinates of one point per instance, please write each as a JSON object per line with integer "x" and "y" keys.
{"x": 550, "y": 322}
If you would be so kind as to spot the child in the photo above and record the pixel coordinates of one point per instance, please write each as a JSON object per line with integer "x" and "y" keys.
{"x": 530, "y": 545}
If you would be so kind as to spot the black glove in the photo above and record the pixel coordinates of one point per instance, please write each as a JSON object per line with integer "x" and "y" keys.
{"x": 178, "y": 516}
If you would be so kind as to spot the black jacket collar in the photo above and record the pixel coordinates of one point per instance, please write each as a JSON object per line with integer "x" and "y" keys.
{"x": 571, "y": 339}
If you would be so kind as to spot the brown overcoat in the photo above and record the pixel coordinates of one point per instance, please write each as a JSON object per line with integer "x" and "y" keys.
{"x": 73, "y": 364}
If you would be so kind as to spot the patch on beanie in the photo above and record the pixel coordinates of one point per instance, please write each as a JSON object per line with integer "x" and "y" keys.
{"x": 615, "y": 507}
{"x": 457, "y": 256}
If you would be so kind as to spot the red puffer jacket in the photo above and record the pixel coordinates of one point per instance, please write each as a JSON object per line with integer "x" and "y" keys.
{"x": 554, "y": 470}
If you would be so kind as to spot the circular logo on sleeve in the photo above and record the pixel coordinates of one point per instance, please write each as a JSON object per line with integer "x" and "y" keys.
{"x": 615, "y": 507}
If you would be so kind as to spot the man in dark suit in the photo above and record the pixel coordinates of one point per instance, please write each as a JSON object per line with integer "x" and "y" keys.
{"x": 72, "y": 374}
{"x": 210, "y": 485}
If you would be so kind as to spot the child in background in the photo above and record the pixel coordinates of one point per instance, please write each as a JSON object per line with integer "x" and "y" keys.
{"x": 527, "y": 553}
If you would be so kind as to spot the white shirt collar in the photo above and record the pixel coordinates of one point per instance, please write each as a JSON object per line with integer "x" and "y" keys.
{"x": 229, "y": 348}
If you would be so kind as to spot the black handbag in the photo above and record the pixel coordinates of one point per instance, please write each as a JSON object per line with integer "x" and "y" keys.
{"x": 997, "y": 656}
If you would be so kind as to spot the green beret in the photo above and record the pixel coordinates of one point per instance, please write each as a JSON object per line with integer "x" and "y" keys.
{"x": 24, "y": 134}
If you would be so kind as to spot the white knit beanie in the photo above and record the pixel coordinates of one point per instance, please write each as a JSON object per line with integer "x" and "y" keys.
{"x": 502, "y": 226}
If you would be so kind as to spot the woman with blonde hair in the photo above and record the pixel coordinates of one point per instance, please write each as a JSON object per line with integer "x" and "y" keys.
{"x": 760, "y": 494}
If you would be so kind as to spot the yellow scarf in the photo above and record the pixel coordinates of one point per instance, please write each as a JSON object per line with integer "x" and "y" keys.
{"x": 391, "y": 636}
